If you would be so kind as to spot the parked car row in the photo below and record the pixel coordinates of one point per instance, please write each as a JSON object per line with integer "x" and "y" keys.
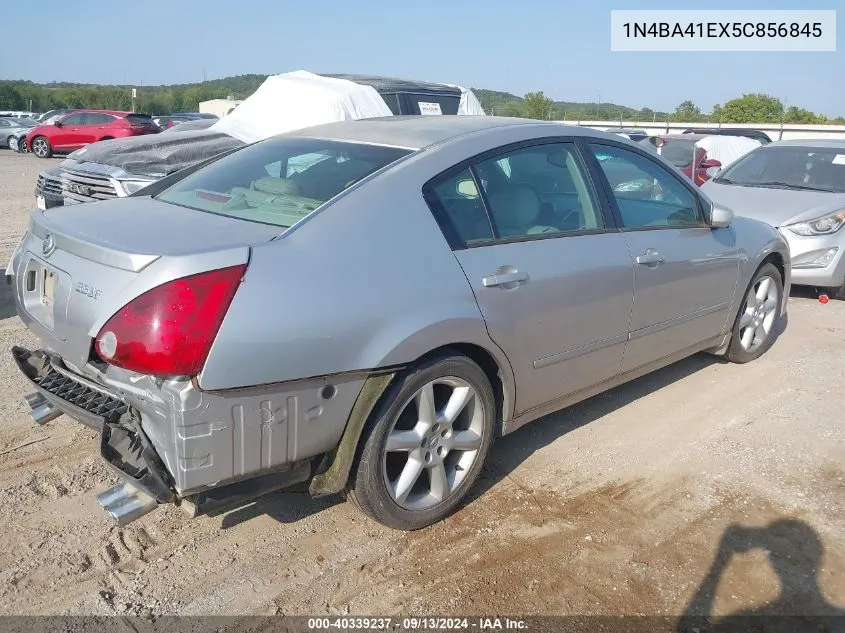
{"x": 166, "y": 323}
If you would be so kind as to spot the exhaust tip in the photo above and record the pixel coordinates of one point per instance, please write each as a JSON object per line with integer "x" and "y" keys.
{"x": 44, "y": 413}
{"x": 124, "y": 503}
{"x": 34, "y": 399}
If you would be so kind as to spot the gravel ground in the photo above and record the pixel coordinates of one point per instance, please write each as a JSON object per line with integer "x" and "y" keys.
{"x": 702, "y": 488}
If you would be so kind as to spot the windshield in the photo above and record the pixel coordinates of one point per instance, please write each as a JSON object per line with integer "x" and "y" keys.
{"x": 814, "y": 168}
{"x": 279, "y": 181}
{"x": 679, "y": 152}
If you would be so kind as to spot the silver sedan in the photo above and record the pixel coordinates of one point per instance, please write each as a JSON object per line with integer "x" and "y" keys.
{"x": 13, "y": 128}
{"x": 798, "y": 187}
{"x": 366, "y": 305}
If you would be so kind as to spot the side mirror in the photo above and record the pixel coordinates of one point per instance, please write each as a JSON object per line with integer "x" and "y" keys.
{"x": 710, "y": 163}
{"x": 58, "y": 123}
{"x": 720, "y": 217}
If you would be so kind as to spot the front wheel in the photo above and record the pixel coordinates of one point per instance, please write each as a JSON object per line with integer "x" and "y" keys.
{"x": 9, "y": 142}
{"x": 427, "y": 445}
{"x": 754, "y": 329}
{"x": 41, "y": 147}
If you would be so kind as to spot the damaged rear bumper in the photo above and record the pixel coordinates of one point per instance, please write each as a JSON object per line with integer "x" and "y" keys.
{"x": 172, "y": 442}
{"x": 123, "y": 444}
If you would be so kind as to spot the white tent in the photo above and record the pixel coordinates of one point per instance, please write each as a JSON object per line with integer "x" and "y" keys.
{"x": 727, "y": 149}
{"x": 299, "y": 99}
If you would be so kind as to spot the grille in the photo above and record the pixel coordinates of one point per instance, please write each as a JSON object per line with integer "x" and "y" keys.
{"x": 49, "y": 186}
{"x": 80, "y": 395}
{"x": 79, "y": 186}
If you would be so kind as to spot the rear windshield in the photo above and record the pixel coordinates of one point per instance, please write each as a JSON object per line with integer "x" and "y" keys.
{"x": 807, "y": 168}
{"x": 279, "y": 181}
{"x": 678, "y": 152}
{"x": 140, "y": 118}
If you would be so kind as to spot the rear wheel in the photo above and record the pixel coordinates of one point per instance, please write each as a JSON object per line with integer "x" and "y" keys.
{"x": 427, "y": 444}
{"x": 9, "y": 142}
{"x": 41, "y": 147}
{"x": 754, "y": 329}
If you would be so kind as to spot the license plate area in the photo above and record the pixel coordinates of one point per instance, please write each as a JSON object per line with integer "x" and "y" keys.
{"x": 43, "y": 292}
{"x": 41, "y": 203}
{"x": 48, "y": 291}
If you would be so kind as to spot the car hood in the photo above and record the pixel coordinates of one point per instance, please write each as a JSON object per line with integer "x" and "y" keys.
{"x": 156, "y": 155}
{"x": 777, "y": 207}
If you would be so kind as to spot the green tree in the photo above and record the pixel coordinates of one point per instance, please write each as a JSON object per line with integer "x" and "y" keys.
{"x": 794, "y": 114}
{"x": 752, "y": 108}
{"x": 687, "y": 111}
{"x": 537, "y": 105}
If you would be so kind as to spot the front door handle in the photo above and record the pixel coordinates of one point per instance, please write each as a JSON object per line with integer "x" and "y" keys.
{"x": 506, "y": 280}
{"x": 651, "y": 257}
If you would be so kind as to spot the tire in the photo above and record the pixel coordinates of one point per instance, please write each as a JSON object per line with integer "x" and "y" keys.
{"x": 41, "y": 147}
{"x": 837, "y": 293}
{"x": 754, "y": 327}
{"x": 9, "y": 142}
{"x": 425, "y": 444}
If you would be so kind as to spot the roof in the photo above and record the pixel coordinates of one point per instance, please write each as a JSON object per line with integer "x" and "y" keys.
{"x": 391, "y": 83}
{"x": 114, "y": 112}
{"x": 416, "y": 132}
{"x": 684, "y": 137}
{"x": 821, "y": 143}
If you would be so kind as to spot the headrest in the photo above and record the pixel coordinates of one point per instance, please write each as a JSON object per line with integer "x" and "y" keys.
{"x": 278, "y": 186}
{"x": 515, "y": 206}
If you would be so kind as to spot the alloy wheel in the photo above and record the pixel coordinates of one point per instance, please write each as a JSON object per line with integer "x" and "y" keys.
{"x": 39, "y": 147}
{"x": 759, "y": 313}
{"x": 433, "y": 443}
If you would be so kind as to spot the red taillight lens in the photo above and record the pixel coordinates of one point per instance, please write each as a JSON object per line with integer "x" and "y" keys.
{"x": 169, "y": 330}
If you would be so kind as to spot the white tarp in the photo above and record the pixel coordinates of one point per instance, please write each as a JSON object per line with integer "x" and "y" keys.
{"x": 299, "y": 99}
{"x": 727, "y": 149}
{"x": 469, "y": 103}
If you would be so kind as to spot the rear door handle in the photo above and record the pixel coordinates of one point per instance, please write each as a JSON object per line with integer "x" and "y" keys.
{"x": 651, "y": 257}
{"x": 505, "y": 279}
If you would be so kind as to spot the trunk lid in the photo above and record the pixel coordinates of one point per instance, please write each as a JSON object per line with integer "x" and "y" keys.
{"x": 77, "y": 266}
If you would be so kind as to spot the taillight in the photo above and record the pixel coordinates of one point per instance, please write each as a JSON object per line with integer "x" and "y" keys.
{"x": 168, "y": 331}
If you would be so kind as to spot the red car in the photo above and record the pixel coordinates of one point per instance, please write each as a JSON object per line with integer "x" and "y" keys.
{"x": 83, "y": 127}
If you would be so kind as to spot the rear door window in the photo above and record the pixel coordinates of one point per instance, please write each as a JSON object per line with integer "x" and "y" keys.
{"x": 97, "y": 118}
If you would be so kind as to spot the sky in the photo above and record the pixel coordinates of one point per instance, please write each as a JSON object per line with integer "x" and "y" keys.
{"x": 559, "y": 47}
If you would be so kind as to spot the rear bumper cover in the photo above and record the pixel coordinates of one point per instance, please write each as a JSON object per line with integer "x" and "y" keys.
{"x": 123, "y": 444}
{"x": 197, "y": 440}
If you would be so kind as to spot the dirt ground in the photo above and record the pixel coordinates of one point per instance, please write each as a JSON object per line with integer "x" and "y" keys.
{"x": 703, "y": 488}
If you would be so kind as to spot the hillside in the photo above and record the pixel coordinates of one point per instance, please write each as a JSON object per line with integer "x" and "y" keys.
{"x": 26, "y": 95}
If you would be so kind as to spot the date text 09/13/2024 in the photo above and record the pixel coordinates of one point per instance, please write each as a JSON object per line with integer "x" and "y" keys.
{"x": 416, "y": 624}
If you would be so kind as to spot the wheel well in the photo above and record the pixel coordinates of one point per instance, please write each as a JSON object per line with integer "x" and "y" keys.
{"x": 777, "y": 260}
{"x": 488, "y": 365}
{"x": 107, "y": 138}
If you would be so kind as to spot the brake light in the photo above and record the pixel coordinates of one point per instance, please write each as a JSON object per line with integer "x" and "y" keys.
{"x": 168, "y": 331}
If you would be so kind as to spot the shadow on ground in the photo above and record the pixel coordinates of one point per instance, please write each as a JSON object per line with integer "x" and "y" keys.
{"x": 7, "y": 299}
{"x": 795, "y": 552}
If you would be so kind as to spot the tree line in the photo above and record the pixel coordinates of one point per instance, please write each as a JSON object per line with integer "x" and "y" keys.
{"x": 749, "y": 108}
